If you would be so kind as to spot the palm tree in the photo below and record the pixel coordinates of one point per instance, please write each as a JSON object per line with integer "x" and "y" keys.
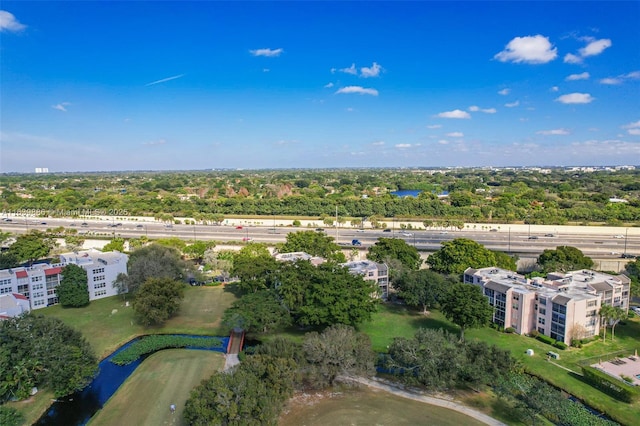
{"x": 606, "y": 313}
{"x": 617, "y": 315}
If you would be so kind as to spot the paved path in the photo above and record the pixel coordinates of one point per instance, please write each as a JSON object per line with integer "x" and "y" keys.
{"x": 451, "y": 405}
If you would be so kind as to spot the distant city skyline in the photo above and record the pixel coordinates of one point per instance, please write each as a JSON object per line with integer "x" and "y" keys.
{"x": 111, "y": 86}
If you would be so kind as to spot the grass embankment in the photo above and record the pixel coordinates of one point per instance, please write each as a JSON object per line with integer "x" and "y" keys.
{"x": 165, "y": 378}
{"x": 398, "y": 321}
{"x": 108, "y": 323}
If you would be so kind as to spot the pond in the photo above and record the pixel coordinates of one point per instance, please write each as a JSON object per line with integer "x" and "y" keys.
{"x": 78, "y": 408}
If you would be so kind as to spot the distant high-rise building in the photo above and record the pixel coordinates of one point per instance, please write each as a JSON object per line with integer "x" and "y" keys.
{"x": 42, "y": 170}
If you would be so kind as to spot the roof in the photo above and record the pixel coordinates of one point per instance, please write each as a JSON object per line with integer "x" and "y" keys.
{"x": 601, "y": 286}
{"x": 53, "y": 271}
{"x": 503, "y": 288}
{"x": 19, "y": 296}
{"x": 21, "y": 274}
{"x": 560, "y": 299}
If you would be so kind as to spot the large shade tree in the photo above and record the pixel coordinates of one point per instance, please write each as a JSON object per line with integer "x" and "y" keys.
{"x": 466, "y": 306}
{"x": 157, "y": 300}
{"x": 563, "y": 259}
{"x": 31, "y": 246}
{"x": 388, "y": 249}
{"x": 314, "y": 243}
{"x": 461, "y": 253}
{"x": 258, "y": 312}
{"x": 422, "y": 288}
{"x": 153, "y": 261}
{"x": 255, "y": 267}
{"x": 73, "y": 290}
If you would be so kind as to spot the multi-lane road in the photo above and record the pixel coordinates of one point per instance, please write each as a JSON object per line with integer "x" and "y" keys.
{"x": 524, "y": 242}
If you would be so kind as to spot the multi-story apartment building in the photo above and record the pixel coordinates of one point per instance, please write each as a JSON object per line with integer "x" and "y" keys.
{"x": 563, "y": 306}
{"x": 38, "y": 282}
{"x": 372, "y": 271}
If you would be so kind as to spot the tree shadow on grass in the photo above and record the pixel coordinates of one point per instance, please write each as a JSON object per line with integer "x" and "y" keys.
{"x": 432, "y": 323}
{"x": 233, "y": 289}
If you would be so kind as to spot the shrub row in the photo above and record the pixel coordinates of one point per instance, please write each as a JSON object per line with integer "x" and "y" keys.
{"x": 545, "y": 339}
{"x": 609, "y": 385}
{"x": 153, "y": 343}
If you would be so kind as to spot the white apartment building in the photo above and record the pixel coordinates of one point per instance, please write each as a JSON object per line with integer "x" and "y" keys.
{"x": 38, "y": 282}
{"x": 563, "y": 306}
{"x": 372, "y": 271}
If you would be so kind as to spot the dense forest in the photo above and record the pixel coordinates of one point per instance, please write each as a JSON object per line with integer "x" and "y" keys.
{"x": 537, "y": 196}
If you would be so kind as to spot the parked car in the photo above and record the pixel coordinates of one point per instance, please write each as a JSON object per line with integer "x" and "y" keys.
{"x": 386, "y": 230}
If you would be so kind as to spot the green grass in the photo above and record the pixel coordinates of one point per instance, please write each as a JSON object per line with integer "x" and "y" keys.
{"x": 399, "y": 321}
{"x": 108, "y": 323}
{"x": 366, "y": 407}
{"x": 165, "y": 378}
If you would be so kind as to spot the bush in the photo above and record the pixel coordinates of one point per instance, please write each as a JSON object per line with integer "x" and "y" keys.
{"x": 560, "y": 345}
{"x": 509, "y": 330}
{"x": 10, "y": 416}
{"x": 534, "y": 333}
{"x": 150, "y": 344}
{"x": 614, "y": 387}
{"x": 576, "y": 343}
{"x": 545, "y": 339}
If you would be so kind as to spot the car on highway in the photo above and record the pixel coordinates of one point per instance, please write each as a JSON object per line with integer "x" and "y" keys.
{"x": 493, "y": 230}
{"x": 618, "y": 236}
{"x": 359, "y": 230}
{"x": 533, "y": 237}
{"x": 239, "y": 227}
{"x": 247, "y": 239}
{"x": 43, "y": 223}
{"x": 357, "y": 243}
{"x": 319, "y": 229}
{"x": 6, "y": 219}
{"x": 84, "y": 224}
{"x": 627, "y": 256}
{"x": 386, "y": 230}
{"x": 549, "y": 235}
{"x": 139, "y": 226}
{"x": 407, "y": 234}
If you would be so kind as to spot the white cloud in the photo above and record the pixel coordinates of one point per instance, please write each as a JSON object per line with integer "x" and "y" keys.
{"x": 456, "y": 113}
{"x": 358, "y": 89}
{"x": 561, "y": 132}
{"x": 633, "y": 75}
{"x": 434, "y": 126}
{"x": 443, "y": 142}
{"x": 611, "y": 81}
{"x": 475, "y": 108}
{"x": 595, "y": 47}
{"x": 8, "y": 22}
{"x": 455, "y": 134}
{"x": 378, "y": 143}
{"x": 62, "y": 106}
{"x": 633, "y": 128}
{"x": 373, "y": 71}
{"x": 265, "y": 70}
{"x": 575, "y": 98}
{"x": 555, "y": 89}
{"x": 157, "y": 142}
{"x": 403, "y": 145}
{"x": 583, "y": 76}
{"x": 570, "y": 58}
{"x": 165, "y": 79}
{"x": 267, "y": 52}
{"x": 328, "y": 85}
{"x": 504, "y": 92}
{"x": 512, "y": 104}
{"x": 351, "y": 70}
{"x": 530, "y": 49}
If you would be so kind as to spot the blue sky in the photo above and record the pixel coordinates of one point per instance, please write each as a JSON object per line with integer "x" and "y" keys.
{"x": 92, "y": 86}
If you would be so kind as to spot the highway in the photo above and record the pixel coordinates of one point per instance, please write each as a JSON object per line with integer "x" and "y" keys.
{"x": 524, "y": 241}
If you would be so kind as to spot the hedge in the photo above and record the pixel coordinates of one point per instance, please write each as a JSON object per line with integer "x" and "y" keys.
{"x": 545, "y": 339}
{"x": 153, "y": 343}
{"x": 609, "y": 385}
{"x": 560, "y": 345}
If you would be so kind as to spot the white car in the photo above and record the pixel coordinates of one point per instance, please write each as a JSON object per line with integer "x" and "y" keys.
{"x": 407, "y": 234}
{"x": 618, "y": 236}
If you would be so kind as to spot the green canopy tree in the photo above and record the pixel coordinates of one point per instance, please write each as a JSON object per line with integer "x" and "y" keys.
{"x": 313, "y": 243}
{"x": 31, "y": 246}
{"x": 116, "y": 244}
{"x": 386, "y": 249}
{"x": 157, "y": 300}
{"x": 466, "y": 306}
{"x": 633, "y": 271}
{"x": 325, "y": 294}
{"x": 258, "y": 312}
{"x": 255, "y": 267}
{"x": 422, "y": 288}
{"x": 153, "y": 261}
{"x": 459, "y": 254}
{"x": 197, "y": 249}
{"x": 563, "y": 259}
{"x": 73, "y": 290}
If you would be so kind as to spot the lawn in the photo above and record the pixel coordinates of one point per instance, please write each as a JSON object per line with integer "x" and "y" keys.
{"x": 366, "y": 407}
{"x": 108, "y": 323}
{"x": 399, "y": 321}
{"x": 166, "y": 377}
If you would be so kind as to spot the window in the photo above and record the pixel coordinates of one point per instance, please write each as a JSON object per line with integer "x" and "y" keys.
{"x": 36, "y": 279}
{"x": 541, "y": 330}
{"x": 543, "y": 301}
{"x": 100, "y": 293}
{"x": 516, "y": 297}
{"x": 541, "y": 320}
{"x": 5, "y": 282}
{"x": 38, "y": 302}
{"x": 592, "y": 303}
{"x": 98, "y": 270}
{"x": 5, "y": 290}
{"x": 37, "y": 286}
{"x": 99, "y": 285}
{"x": 591, "y": 313}
{"x": 543, "y": 311}
{"x": 98, "y": 278}
{"x": 38, "y": 294}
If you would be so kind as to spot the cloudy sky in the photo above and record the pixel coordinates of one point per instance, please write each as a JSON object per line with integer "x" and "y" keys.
{"x": 161, "y": 85}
